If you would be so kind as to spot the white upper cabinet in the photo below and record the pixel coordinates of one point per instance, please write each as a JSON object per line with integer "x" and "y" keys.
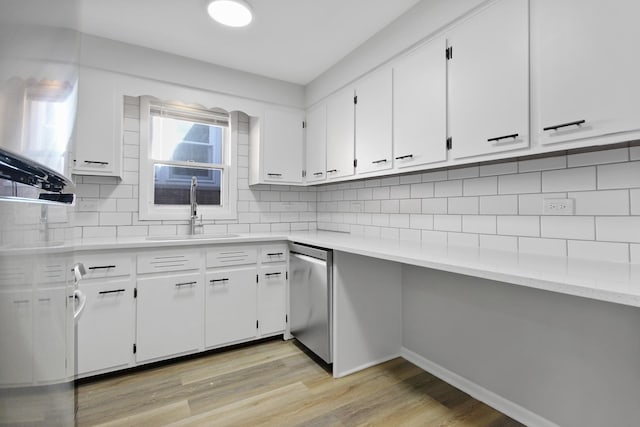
{"x": 340, "y": 134}
{"x": 374, "y": 148}
{"x": 98, "y": 134}
{"x": 276, "y": 141}
{"x": 586, "y": 68}
{"x": 420, "y": 106}
{"x": 489, "y": 81}
{"x": 316, "y": 144}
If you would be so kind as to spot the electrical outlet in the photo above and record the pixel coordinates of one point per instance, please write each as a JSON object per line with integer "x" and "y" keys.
{"x": 357, "y": 206}
{"x": 88, "y": 205}
{"x": 558, "y": 206}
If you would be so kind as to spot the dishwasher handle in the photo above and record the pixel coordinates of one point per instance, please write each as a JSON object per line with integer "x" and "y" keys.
{"x": 308, "y": 258}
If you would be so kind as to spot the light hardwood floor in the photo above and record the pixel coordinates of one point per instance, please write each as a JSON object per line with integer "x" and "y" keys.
{"x": 275, "y": 383}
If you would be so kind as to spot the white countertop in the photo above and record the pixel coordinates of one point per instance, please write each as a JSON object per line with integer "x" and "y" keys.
{"x": 605, "y": 281}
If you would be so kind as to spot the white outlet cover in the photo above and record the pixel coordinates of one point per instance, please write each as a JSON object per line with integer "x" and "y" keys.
{"x": 558, "y": 206}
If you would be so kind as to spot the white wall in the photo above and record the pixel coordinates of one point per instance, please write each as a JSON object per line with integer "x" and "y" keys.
{"x": 418, "y": 24}
{"x": 110, "y": 55}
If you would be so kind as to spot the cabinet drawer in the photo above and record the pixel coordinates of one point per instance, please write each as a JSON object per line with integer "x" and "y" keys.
{"x": 273, "y": 253}
{"x": 231, "y": 255}
{"x": 102, "y": 266}
{"x": 155, "y": 262}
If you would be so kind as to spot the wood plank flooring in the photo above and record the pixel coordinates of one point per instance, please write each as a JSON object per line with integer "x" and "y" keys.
{"x": 275, "y": 383}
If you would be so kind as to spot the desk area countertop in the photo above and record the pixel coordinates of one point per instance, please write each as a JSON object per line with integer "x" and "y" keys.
{"x": 605, "y": 281}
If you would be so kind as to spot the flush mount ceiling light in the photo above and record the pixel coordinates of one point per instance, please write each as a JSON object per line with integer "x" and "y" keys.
{"x": 232, "y": 13}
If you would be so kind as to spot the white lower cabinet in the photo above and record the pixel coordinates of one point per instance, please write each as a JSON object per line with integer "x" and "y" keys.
{"x": 272, "y": 300}
{"x": 50, "y": 334}
{"x": 169, "y": 316}
{"x": 230, "y": 306}
{"x": 16, "y": 337}
{"x": 105, "y": 333}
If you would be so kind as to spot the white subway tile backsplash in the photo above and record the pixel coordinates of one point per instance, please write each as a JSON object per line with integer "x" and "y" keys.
{"x": 423, "y": 222}
{"x": 131, "y": 124}
{"x": 598, "y": 157}
{"x": 448, "y": 188}
{"x": 390, "y": 181}
{"x": 599, "y": 251}
{"x": 116, "y": 191}
{"x": 380, "y": 220}
{"x": 635, "y": 201}
{"x": 498, "y": 169}
{"x": 127, "y": 205}
{"x": 519, "y": 226}
{"x": 399, "y": 220}
{"x": 97, "y": 232}
{"x": 499, "y": 205}
{"x": 533, "y": 204}
{"x": 500, "y": 243}
{"x": 434, "y": 176}
{"x": 447, "y": 222}
{"x": 260, "y": 228}
{"x": 410, "y": 235}
{"x": 575, "y": 179}
{"x": 542, "y": 164}
{"x": 635, "y": 253}
{"x": 461, "y": 205}
{"x": 410, "y": 206}
{"x": 380, "y": 193}
{"x": 618, "y": 229}
{"x": 463, "y": 239}
{"x": 619, "y": 175}
{"x": 389, "y": 233}
{"x": 550, "y": 247}
{"x": 521, "y": 183}
{"x": 480, "y": 186}
{"x": 400, "y": 192}
{"x": 390, "y": 206}
{"x": 434, "y": 237}
{"x": 611, "y": 202}
{"x": 372, "y": 206}
{"x": 422, "y": 190}
{"x": 568, "y": 227}
{"x": 410, "y": 179}
{"x": 115, "y": 218}
{"x": 467, "y": 172}
{"x": 434, "y": 206}
{"x": 132, "y": 230}
{"x": 483, "y": 224}
{"x": 370, "y": 183}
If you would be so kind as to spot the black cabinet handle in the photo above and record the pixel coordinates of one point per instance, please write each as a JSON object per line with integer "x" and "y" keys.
{"x": 514, "y": 136}
{"x": 115, "y": 291}
{"x": 276, "y": 254}
{"x": 93, "y": 162}
{"x": 274, "y": 174}
{"x": 102, "y": 267}
{"x": 317, "y": 174}
{"x": 272, "y": 274}
{"x": 332, "y": 171}
{"x": 185, "y": 284}
{"x": 375, "y": 162}
{"x": 218, "y": 280}
{"x": 408, "y": 156}
{"x": 44, "y": 299}
{"x": 21, "y": 301}
{"x": 564, "y": 125}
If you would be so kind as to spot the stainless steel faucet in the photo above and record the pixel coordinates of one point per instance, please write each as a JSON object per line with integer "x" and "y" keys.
{"x": 194, "y": 206}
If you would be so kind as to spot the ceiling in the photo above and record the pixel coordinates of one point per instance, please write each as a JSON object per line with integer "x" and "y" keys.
{"x": 290, "y": 40}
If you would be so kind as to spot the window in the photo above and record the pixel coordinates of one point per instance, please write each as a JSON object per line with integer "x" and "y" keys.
{"x": 177, "y": 143}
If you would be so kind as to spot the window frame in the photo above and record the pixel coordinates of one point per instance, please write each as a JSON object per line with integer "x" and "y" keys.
{"x": 228, "y": 167}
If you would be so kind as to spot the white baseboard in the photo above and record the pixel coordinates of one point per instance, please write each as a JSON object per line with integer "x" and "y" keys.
{"x": 364, "y": 366}
{"x": 497, "y": 402}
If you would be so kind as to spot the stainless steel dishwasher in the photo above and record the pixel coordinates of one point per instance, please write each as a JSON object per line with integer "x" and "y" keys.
{"x": 311, "y": 298}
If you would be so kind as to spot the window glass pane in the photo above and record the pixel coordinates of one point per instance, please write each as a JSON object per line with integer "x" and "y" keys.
{"x": 172, "y": 185}
{"x": 183, "y": 140}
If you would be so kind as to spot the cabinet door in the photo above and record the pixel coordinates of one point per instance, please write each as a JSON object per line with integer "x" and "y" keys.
{"x": 272, "y": 294}
{"x": 420, "y": 106}
{"x": 16, "y": 337}
{"x": 373, "y": 122}
{"x": 282, "y": 146}
{"x": 105, "y": 329}
{"x": 586, "y": 68}
{"x": 340, "y": 134}
{"x": 316, "y": 144}
{"x": 50, "y": 335}
{"x": 230, "y": 306}
{"x": 170, "y": 316}
{"x": 489, "y": 81}
{"x": 98, "y": 136}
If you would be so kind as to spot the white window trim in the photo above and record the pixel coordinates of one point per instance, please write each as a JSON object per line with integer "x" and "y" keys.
{"x": 229, "y": 189}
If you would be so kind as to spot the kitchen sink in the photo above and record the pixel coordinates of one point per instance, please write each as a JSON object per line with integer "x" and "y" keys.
{"x": 192, "y": 237}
